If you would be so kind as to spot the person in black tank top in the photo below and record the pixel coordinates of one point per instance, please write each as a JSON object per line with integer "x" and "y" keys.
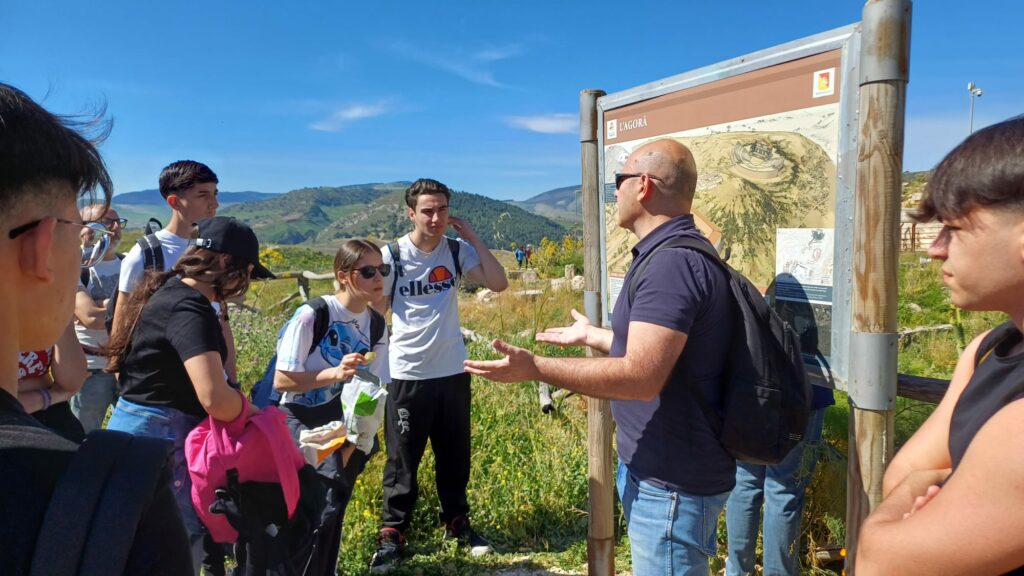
{"x": 953, "y": 496}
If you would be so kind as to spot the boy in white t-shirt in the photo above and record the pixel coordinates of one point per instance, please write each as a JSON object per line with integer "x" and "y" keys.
{"x": 429, "y": 396}
{"x": 190, "y": 189}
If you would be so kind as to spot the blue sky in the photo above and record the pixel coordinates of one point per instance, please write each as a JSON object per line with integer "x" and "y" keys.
{"x": 482, "y": 95}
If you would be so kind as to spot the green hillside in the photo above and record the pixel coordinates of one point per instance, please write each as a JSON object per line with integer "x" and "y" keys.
{"x": 321, "y": 216}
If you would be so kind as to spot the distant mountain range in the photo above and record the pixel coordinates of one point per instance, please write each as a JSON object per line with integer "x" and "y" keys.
{"x": 559, "y": 204}
{"x": 321, "y": 216}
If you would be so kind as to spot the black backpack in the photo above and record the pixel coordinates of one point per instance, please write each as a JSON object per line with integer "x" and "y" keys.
{"x": 766, "y": 398}
{"x": 263, "y": 393}
{"x": 453, "y": 247}
{"x": 90, "y": 523}
{"x": 152, "y": 259}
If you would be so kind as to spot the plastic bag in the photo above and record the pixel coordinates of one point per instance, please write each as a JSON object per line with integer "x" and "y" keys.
{"x": 362, "y": 399}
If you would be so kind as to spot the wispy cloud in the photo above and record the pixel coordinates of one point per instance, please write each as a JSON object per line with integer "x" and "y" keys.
{"x": 546, "y": 123}
{"x": 473, "y": 67}
{"x": 347, "y": 114}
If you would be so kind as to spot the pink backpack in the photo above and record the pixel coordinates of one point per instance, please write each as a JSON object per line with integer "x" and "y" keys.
{"x": 260, "y": 448}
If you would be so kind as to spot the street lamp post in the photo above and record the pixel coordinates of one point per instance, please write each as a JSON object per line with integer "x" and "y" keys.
{"x": 974, "y": 91}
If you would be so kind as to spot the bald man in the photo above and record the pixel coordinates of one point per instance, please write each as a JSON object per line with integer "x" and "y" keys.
{"x": 95, "y": 287}
{"x": 673, "y": 476}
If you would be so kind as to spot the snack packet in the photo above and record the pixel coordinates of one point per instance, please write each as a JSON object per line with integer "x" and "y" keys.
{"x": 322, "y": 441}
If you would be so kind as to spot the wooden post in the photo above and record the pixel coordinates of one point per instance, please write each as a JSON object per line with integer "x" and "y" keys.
{"x": 884, "y": 71}
{"x": 601, "y": 528}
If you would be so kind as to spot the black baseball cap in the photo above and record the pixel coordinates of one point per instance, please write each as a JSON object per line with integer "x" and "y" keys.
{"x": 227, "y": 235}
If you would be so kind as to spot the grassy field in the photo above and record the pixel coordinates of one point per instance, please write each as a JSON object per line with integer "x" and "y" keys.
{"x": 528, "y": 490}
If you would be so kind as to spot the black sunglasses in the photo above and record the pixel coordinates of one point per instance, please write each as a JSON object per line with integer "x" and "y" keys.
{"x": 371, "y": 271}
{"x": 621, "y": 177}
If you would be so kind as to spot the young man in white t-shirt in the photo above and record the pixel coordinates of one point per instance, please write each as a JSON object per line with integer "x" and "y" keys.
{"x": 100, "y": 389}
{"x": 429, "y": 396}
{"x": 190, "y": 189}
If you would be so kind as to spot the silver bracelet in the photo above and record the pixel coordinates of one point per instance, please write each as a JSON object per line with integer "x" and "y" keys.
{"x": 47, "y": 399}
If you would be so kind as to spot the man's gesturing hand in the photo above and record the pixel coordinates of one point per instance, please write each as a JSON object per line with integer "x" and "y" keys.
{"x": 575, "y": 335}
{"x": 517, "y": 365}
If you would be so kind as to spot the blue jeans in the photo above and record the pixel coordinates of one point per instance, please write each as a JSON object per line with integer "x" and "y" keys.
{"x": 164, "y": 422}
{"x": 90, "y": 404}
{"x": 670, "y": 532}
{"x": 780, "y": 487}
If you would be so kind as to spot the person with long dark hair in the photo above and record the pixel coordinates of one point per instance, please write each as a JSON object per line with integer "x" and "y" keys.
{"x": 170, "y": 351}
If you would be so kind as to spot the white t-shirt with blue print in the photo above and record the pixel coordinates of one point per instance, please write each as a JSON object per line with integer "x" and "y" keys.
{"x": 346, "y": 333}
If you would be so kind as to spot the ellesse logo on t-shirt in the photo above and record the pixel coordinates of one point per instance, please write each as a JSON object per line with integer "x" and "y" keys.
{"x": 439, "y": 280}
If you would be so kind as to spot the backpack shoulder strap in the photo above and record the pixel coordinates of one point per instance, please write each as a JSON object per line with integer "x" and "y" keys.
{"x": 453, "y": 247}
{"x": 85, "y": 276}
{"x": 321, "y": 321}
{"x": 89, "y": 525}
{"x": 152, "y": 252}
{"x": 677, "y": 242}
{"x": 397, "y": 265}
{"x": 377, "y": 327}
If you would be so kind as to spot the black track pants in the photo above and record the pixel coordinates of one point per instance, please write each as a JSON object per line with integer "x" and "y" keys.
{"x": 418, "y": 410}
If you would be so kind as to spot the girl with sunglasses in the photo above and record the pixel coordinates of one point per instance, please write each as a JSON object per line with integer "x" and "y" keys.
{"x": 312, "y": 374}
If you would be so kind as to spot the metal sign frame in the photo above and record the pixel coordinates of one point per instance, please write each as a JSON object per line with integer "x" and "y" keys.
{"x": 848, "y": 40}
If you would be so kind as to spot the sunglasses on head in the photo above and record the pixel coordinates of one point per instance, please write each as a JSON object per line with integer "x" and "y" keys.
{"x": 371, "y": 271}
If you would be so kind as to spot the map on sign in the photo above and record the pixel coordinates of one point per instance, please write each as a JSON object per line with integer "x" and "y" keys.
{"x": 755, "y": 176}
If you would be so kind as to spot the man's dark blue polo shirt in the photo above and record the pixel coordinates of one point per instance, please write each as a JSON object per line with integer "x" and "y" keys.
{"x": 668, "y": 440}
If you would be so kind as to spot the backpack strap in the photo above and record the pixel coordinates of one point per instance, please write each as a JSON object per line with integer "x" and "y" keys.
{"x": 397, "y": 265}
{"x": 453, "y": 247}
{"x": 85, "y": 276}
{"x": 89, "y": 526}
{"x": 152, "y": 252}
{"x": 690, "y": 242}
{"x": 377, "y": 327}
{"x": 321, "y": 320}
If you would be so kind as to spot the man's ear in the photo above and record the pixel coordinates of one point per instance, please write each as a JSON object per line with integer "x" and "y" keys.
{"x": 172, "y": 201}
{"x": 411, "y": 213}
{"x": 36, "y": 246}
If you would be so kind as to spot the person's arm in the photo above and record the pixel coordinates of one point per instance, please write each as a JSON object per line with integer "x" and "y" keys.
{"x": 230, "y": 362}
{"x": 651, "y": 353}
{"x": 581, "y": 333}
{"x": 68, "y": 371}
{"x": 928, "y": 448}
{"x": 287, "y": 381}
{"x": 88, "y": 312}
{"x": 490, "y": 273}
{"x": 128, "y": 278}
{"x": 972, "y": 525}
{"x": 221, "y": 401}
{"x": 69, "y": 367}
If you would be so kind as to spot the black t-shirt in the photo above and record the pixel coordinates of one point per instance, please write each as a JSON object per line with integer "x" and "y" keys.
{"x": 32, "y": 460}
{"x": 176, "y": 324}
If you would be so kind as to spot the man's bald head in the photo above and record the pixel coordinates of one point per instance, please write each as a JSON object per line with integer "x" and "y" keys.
{"x": 95, "y": 212}
{"x": 670, "y": 162}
